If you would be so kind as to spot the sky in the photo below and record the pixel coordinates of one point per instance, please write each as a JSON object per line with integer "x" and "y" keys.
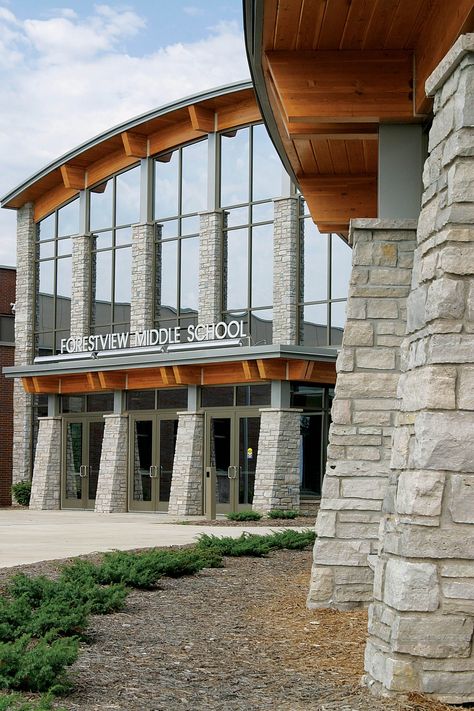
{"x": 70, "y": 71}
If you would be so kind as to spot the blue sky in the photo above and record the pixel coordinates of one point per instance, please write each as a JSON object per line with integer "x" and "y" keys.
{"x": 71, "y": 70}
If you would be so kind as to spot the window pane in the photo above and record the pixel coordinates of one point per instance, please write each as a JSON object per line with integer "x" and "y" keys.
{"x": 101, "y": 206}
{"x": 103, "y": 287}
{"x": 189, "y": 273}
{"x": 64, "y": 246}
{"x": 46, "y": 227}
{"x": 123, "y": 236}
{"x": 123, "y": 280}
{"x": 45, "y": 343}
{"x": 194, "y": 171}
{"x": 254, "y": 394}
{"x": 308, "y": 397}
{"x": 262, "y": 212}
{"x": 267, "y": 168}
{"x": 237, "y": 269}
{"x": 46, "y": 249}
{"x": 172, "y": 399}
{"x": 169, "y": 261}
{"x": 103, "y": 240}
{"x": 315, "y": 325}
{"x": 73, "y": 403}
{"x": 166, "y": 186}
{"x": 238, "y": 216}
{"x": 100, "y": 402}
{"x": 338, "y": 321}
{"x": 190, "y": 225}
{"x": 217, "y": 397}
{"x": 141, "y": 400}
{"x": 168, "y": 229}
{"x": 63, "y": 291}
{"x": 315, "y": 263}
{"x": 235, "y": 168}
{"x": 68, "y": 219}
{"x": 311, "y": 446}
{"x": 7, "y": 329}
{"x": 261, "y": 326}
{"x": 341, "y": 267}
{"x": 262, "y": 265}
{"x": 128, "y": 197}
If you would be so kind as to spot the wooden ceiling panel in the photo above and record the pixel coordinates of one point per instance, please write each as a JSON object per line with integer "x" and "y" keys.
{"x": 311, "y": 17}
{"x": 336, "y": 199}
{"x": 357, "y": 24}
{"x": 287, "y": 24}
{"x": 339, "y": 157}
{"x": 323, "y": 157}
{"x": 333, "y": 24}
{"x": 306, "y": 156}
{"x": 356, "y": 157}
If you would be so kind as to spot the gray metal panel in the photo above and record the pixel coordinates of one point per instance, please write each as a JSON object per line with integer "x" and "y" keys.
{"x": 166, "y": 359}
{"x": 126, "y": 126}
{"x": 402, "y": 152}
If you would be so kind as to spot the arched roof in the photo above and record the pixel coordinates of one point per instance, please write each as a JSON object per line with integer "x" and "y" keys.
{"x": 154, "y": 132}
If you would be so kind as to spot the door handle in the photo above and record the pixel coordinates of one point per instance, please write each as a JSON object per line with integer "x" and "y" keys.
{"x": 153, "y": 471}
{"x": 83, "y": 471}
{"x": 232, "y": 472}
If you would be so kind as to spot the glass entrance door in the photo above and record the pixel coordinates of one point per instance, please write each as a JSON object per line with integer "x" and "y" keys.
{"x": 232, "y": 444}
{"x": 82, "y": 447}
{"x": 152, "y": 445}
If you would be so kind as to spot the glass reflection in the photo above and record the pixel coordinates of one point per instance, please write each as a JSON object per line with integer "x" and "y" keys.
{"x": 262, "y": 212}
{"x": 194, "y": 177}
{"x": 341, "y": 262}
{"x": 46, "y": 228}
{"x": 315, "y": 263}
{"x": 127, "y": 197}
{"x": 338, "y": 321}
{"x": 166, "y": 185}
{"x": 123, "y": 273}
{"x": 101, "y": 206}
{"x": 169, "y": 266}
{"x": 235, "y": 168}
{"x": 237, "y": 269}
{"x": 262, "y": 265}
{"x": 189, "y": 273}
{"x": 68, "y": 219}
{"x": 315, "y": 325}
{"x": 266, "y": 168}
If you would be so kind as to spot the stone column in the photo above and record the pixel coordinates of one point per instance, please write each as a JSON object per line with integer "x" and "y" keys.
{"x": 421, "y": 622}
{"x": 24, "y": 340}
{"x": 146, "y": 276}
{"x": 46, "y": 484}
{"x": 111, "y": 494}
{"x": 212, "y": 266}
{"x": 277, "y": 475}
{"x": 81, "y": 285}
{"x": 287, "y": 273}
{"x": 363, "y": 414}
{"x": 186, "y": 496}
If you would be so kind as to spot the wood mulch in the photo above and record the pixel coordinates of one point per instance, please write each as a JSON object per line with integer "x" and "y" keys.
{"x": 232, "y": 639}
{"x": 299, "y": 521}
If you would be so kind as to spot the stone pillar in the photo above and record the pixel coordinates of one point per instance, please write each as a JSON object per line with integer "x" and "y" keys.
{"x": 81, "y": 285}
{"x": 363, "y": 414}
{"x": 111, "y": 494}
{"x": 186, "y": 496}
{"x": 46, "y": 484}
{"x": 287, "y": 251}
{"x": 212, "y": 266}
{"x": 146, "y": 276}
{"x": 277, "y": 475}
{"x": 421, "y": 622}
{"x": 24, "y": 340}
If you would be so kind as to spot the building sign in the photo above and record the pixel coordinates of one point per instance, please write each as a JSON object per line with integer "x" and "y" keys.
{"x": 154, "y": 337}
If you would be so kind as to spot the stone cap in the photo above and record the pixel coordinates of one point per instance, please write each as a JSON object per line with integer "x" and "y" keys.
{"x": 463, "y": 45}
{"x": 280, "y": 409}
{"x": 376, "y": 223}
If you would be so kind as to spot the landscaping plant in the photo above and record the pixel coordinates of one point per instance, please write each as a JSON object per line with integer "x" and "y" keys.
{"x": 21, "y": 493}
{"x": 283, "y": 513}
{"x": 244, "y": 516}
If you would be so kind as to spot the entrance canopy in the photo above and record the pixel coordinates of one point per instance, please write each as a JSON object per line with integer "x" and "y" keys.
{"x": 329, "y": 74}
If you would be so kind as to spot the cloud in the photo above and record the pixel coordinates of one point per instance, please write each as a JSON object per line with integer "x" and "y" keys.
{"x": 69, "y": 79}
{"x": 192, "y": 10}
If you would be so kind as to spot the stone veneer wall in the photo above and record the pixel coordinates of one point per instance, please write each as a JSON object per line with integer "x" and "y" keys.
{"x": 287, "y": 252}
{"x": 24, "y": 340}
{"x": 186, "y": 484}
{"x": 277, "y": 475}
{"x": 146, "y": 264}
{"x": 81, "y": 285}
{"x": 421, "y": 622}
{"x": 112, "y": 484}
{"x": 46, "y": 483}
{"x": 363, "y": 414}
{"x": 212, "y": 260}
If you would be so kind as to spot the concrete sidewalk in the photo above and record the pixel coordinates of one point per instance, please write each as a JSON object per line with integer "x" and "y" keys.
{"x": 31, "y": 536}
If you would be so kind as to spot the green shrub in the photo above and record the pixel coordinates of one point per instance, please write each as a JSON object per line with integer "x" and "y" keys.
{"x": 21, "y": 492}
{"x": 293, "y": 540}
{"x": 16, "y": 702}
{"x": 244, "y": 516}
{"x": 250, "y": 544}
{"x": 143, "y": 570}
{"x": 34, "y": 665}
{"x": 283, "y": 513}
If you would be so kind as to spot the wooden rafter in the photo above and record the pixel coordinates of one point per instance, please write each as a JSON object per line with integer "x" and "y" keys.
{"x": 135, "y": 144}
{"x": 73, "y": 176}
{"x": 202, "y": 119}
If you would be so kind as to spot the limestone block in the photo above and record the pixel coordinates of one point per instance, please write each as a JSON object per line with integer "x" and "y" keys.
{"x": 401, "y": 443}
{"x": 345, "y": 361}
{"x": 329, "y": 551}
{"x": 330, "y": 487}
{"x": 322, "y": 582}
{"x": 326, "y": 524}
{"x": 460, "y": 589}
{"x": 364, "y": 488}
{"x": 427, "y": 219}
{"x": 457, "y": 259}
{"x": 358, "y": 530}
{"x": 416, "y": 309}
{"x": 443, "y": 441}
{"x": 438, "y": 636}
{"x": 452, "y": 687}
{"x": 382, "y": 308}
{"x": 368, "y": 385}
{"x": 356, "y": 309}
{"x": 411, "y": 586}
{"x": 393, "y": 674}
{"x": 461, "y": 181}
{"x": 420, "y": 493}
{"x": 341, "y": 412}
{"x": 396, "y": 276}
{"x": 445, "y": 299}
{"x": 442, "y": 125}
{"x": 451, "y": 348}
{"x": 376, "y": 358}
{"x": 461, "y": 503}
{"x": 363, "y": 453}
{"x": 358, "y": 334}
{"x": 432, "y": 387}
{"x": 457, "y": 569}
{"x": 351, "y": 504}
{"x": 466, "y": 388}
{"x": 438, "y": 543}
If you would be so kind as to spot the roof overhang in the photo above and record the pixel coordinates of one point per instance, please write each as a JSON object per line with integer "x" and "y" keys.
{"x": 328, "y": 74}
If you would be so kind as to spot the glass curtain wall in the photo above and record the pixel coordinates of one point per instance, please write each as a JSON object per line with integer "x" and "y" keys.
{"x": 54, "y": 277}
{"x": 114, "y": 205}
{"x": 180, "y": 194}
{"x": 327, "y": 264}
{"x": 250, "y": 177}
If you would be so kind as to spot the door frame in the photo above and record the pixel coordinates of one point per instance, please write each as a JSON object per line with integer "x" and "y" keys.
{"x": 235, "y": 414}
{"x": 154, "y": 505}
{"x": 85, "y": 419}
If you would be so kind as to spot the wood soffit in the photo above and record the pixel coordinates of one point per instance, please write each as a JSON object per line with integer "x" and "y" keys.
{"x": 334, "y": 71}
{"x": 245, "y": 371}
{"x": 124, "y": 149}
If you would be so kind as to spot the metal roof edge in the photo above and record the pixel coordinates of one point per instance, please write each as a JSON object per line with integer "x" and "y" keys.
{"x": 211, "y": 355}
{"x": 126, "y": 125}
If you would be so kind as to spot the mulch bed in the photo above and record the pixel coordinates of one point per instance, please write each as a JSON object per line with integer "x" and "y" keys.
{"x": 230, "y": 639}
{"x": 299, "y": 521}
